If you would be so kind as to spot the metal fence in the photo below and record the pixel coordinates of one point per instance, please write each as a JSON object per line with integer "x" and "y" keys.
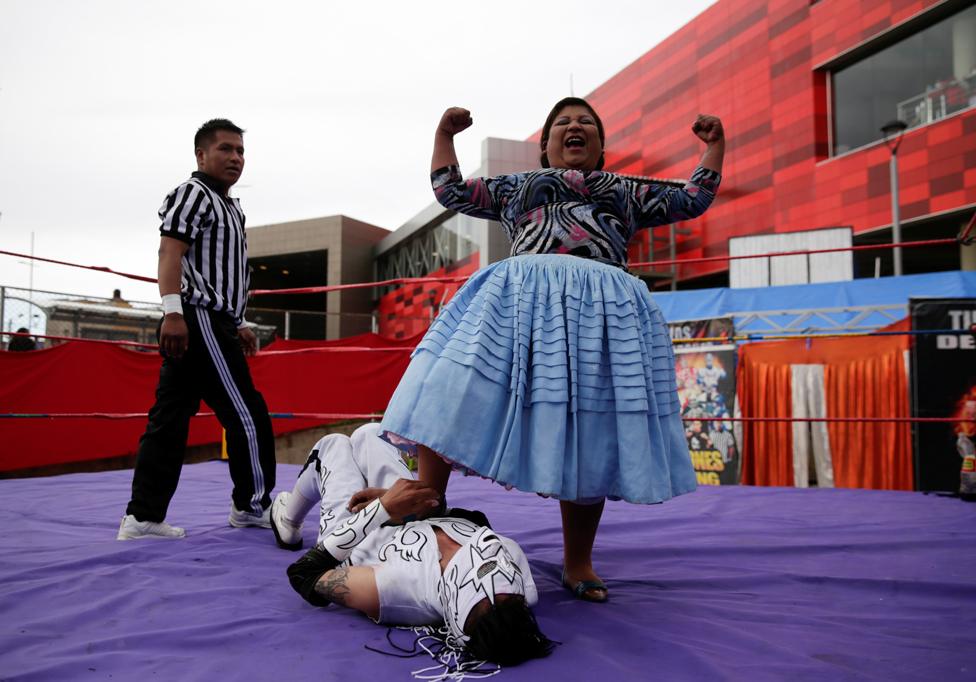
{"x": 22, "y": 309}
{"x": 52, "y": 313}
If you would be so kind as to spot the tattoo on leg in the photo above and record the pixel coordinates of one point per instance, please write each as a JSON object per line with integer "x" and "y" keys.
{"x": 332, "y": 585}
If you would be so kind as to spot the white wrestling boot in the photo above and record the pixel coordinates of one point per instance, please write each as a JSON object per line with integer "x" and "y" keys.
{"x": 287, "y": 534}
{"x": 132, "y": 529}
{"x": 243, "y": 519}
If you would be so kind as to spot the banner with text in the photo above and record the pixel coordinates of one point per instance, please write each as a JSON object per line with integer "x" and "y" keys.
{"x": 943, "y": 385}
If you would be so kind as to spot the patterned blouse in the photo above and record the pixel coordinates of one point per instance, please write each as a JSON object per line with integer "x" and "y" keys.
{"x": 591, "y": 214}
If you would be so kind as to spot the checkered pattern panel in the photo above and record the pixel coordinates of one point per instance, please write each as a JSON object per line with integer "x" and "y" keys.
{"x": 408, "y": 310}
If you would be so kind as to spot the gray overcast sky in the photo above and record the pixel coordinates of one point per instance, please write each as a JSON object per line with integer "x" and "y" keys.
{"x": 99, "y": 101}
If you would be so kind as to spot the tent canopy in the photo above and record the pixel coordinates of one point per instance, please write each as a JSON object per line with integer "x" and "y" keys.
{"x": 702, "y": 304}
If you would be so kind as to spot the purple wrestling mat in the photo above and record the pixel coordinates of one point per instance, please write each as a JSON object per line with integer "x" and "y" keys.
{"x": 725, "y": 584}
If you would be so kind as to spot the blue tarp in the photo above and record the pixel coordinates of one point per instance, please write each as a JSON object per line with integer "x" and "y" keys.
{"x": 709, "y": 303}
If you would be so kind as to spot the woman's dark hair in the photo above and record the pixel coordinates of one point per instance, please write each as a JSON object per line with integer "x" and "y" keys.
{"x": 560, "y": 105}
{"x": 508, "y": 634}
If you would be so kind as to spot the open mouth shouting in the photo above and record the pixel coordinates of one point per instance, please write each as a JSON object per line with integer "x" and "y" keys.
{"x": 574, "y": 139}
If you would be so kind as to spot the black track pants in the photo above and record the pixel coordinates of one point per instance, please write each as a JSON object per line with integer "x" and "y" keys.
{"x": 213, "y": 369}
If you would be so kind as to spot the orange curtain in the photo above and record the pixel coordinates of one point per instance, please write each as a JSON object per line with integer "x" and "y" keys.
{"x": 763, "y": 381}
{"x": 868, "y": 378}
{"x": 864, "y": 377}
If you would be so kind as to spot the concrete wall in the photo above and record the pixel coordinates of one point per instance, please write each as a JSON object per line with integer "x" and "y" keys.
{"x": 349, "y": 244}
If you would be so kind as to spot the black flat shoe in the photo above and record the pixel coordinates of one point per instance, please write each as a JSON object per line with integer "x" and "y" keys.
{"x": 583, "y": 589}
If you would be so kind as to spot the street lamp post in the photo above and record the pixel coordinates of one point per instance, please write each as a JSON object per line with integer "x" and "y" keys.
{"x": 893, "y": 131}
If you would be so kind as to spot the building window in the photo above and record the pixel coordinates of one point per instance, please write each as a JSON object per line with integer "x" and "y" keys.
{"x": 920, "y": 79}
{"x": 431, "y": 251}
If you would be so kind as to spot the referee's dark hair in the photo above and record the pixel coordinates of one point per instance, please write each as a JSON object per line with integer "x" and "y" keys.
{"x": 208, "y": 131}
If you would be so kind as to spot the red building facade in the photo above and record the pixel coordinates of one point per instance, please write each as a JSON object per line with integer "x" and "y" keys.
{"x": 408, "y": 310}
{"x": 803, "y": 88}
{"x": 768, "y": 69}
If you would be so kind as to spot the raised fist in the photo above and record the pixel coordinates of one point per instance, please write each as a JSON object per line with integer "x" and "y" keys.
{"x": 454, "y": 120}
{"x": 708, "y": 129}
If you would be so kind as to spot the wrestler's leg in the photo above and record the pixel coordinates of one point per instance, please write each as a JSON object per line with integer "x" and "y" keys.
{"x": 380, "y": 462}
{"x": 329, "y": 478}
{"x": 580, "y": 523}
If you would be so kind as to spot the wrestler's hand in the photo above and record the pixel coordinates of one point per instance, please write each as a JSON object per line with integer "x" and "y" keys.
{"x": 248, "y": 339}
{"x": 364, "y": 497}
{"x": 174, "y": 337}
{"x": 453, "y": 121}
{"x": 708, "y": 129}
{"x": 407, "y": 498}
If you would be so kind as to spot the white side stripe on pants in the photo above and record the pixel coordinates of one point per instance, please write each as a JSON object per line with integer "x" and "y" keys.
{"x": 227, "y": 379}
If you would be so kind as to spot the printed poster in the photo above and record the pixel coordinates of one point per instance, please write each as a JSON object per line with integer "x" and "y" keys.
{"x": 705, "y": 374}
{"x": 943, "y": 385}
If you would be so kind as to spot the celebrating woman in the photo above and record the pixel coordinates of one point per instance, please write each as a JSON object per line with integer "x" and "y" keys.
{"x": 552, "y": 371}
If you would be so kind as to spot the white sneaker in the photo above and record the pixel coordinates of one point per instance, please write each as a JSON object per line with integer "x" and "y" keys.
{"x": 243, "y": 519}
{"x": 132, "y": 529}
{"x": 287, "y": 534}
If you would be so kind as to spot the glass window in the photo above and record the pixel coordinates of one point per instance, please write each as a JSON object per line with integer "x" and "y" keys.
{"x": 918, "y": 80}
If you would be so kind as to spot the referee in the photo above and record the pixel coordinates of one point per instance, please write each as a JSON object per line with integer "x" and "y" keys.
{"x": 203, "y": 338}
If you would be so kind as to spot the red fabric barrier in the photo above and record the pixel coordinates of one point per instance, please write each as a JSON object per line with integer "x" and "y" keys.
{"x": 367, "y": 340}
{"x": 87, "y": 377}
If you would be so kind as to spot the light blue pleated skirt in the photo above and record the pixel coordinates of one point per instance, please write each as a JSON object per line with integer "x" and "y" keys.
{"x": 551, "y": 374}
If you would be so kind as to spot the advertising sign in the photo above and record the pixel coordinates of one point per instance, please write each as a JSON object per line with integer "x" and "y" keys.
{"x": 943, "y": 385}
{"x": 705, "y": 375}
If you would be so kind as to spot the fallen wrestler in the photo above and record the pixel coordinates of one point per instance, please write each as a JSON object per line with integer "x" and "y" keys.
{"x": 373, "y": 555}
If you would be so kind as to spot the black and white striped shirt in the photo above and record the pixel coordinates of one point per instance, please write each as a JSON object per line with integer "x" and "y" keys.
{"x": 215, "y": 271}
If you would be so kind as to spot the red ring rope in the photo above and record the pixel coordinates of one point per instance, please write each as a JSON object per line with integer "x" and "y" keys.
{"x": 962, "y": 238}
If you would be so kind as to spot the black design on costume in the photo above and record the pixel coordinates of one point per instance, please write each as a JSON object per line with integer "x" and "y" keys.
{"x": 328, "y": 516}
{"x": 365, "y": 517}
{"x": 408, "y": 542}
